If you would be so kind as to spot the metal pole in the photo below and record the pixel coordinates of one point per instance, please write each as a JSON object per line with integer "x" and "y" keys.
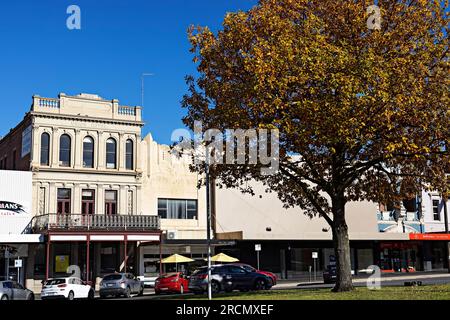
{"x": 7, "y": 263}
{"x": 446, "y": 229}
{"x": 315, "y": 274}
{"x": 208, "y": 228}
{"x": 87, "y": 258}
{"x": 257, "y": 259}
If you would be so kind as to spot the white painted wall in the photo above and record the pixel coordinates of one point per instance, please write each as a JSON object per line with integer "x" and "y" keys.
{"x": 15, "y": 187}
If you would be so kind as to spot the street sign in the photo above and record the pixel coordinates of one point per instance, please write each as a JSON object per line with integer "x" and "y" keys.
{"x": 257, "y": 247}
{"x": 315, "y": 255}
{"x": 18, "y": 263}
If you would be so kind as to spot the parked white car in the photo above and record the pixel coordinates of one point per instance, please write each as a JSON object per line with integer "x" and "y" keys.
{"x": 67, "y": 288}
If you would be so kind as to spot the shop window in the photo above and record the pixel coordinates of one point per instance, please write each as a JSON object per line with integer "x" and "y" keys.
{"x": 177, "y": 209}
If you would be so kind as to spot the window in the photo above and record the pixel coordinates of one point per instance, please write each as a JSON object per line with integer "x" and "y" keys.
{"x": 436, "y": 214}
{"x": 88, "y": 152}
{"x": 111, "y": 153}
{"x": 110, "y": 202}
{"x": 129, "y": 154}
{"x": 177, "y": 209}
{"x": 64, "y": 150}
{"x": 87, "y": 201}
{"x": 45, "y": 149}
{"x": 64, "y": 196}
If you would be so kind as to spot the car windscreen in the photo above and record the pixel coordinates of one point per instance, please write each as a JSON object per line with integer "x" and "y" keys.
{"x": 54, "y": 282}
{"x": 112, "y": 277}
{"x": 199, "y": 271}
{"x": 169, "y": 275}
{"x": 248, "y": 268}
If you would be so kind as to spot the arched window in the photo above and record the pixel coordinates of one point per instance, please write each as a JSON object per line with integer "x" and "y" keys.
{"x": 88, "y": 152}
{"x": 129, "y": 154}
{"x": 64, "y": 150}
{"x": 111, "y": 151}
{"x": 45, "y": 149}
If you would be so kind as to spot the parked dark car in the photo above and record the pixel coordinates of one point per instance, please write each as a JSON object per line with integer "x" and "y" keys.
{"x": 120, "y": 284}
{"x": 228, "y": 278}
{"x": 248, "y": 267}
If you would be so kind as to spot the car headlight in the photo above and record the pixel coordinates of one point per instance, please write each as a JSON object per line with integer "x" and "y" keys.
{"x": 123, "y": 285}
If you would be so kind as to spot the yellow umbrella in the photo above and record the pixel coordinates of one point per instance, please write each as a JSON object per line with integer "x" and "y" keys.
{"x": 176, "y": 258}
{"x": 222, "y": 257}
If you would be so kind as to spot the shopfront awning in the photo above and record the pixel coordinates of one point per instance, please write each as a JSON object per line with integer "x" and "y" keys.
{"x": 21, "y": 238}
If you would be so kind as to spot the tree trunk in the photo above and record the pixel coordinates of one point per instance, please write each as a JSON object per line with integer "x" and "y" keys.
{"x": 341, "y": 247}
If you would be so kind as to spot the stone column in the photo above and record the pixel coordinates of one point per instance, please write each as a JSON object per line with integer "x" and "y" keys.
{"x": 78, "y": 150}
{"x": 121, "y": 151}
{"x": 100, "y": 200}
{"x": 35, "y": 145}
{"x": 101, "y": 152}
{"x": 123, "y": 200}
{"x": 54, "y": 150}
{"x": 76, "y": 199}
{"x": 52, "y": 191}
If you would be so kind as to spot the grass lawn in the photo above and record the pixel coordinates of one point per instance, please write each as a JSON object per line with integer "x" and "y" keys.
{"x": 435, "y": 292}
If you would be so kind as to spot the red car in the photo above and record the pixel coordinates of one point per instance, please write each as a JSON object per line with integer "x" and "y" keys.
{"x": 251, "y": 269}
{"x": 175, "y": 282}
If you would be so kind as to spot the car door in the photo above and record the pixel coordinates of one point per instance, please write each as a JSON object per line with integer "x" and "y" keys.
{"x": 136, "y": 282}
{"x": 240, "y": 277}
{"x": 8, "y": 289}
{"x": 19, "y": 292}
{"x": 81, "y": 288}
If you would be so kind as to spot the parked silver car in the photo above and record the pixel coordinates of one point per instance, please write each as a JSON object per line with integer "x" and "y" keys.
{"x": 120, "y": 284}
{"x": 11, "y": 290}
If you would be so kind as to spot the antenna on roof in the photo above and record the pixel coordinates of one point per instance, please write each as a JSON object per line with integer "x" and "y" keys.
{"x": 142, "y": 86}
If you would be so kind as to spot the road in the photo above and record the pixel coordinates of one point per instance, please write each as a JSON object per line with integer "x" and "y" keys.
{"x": 360, "y": 281}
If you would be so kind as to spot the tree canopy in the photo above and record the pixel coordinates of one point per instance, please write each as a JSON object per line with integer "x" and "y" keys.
{"x": 363, "y": 114}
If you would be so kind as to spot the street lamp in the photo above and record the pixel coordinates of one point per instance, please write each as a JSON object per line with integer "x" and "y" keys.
{"x": 208, "y": 226}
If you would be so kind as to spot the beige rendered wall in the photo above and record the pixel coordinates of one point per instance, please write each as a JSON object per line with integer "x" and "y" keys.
{"x": 253, "y": 214}
{"x": 166, "y": 176}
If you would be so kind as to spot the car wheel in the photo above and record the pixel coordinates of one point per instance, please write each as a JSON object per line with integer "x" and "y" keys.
{"x": 71, "y": 296}
{"x": 127, "y": 293}
{"x": 91, "y": 294}
{"x": 260, "y": 284}
{"x": 4, "y": 297}
{"x": 215, "y": 287}
{"x": 182, "y": 289}
{"x": 30, "y": 296}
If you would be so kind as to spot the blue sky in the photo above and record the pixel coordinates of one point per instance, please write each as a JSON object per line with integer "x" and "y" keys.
{"x": 118, "y": 41}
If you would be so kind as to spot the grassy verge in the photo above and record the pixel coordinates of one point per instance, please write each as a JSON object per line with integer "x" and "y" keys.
{"x": 435, "y": 292}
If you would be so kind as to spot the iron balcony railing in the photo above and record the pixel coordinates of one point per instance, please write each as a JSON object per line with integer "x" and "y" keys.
{"x": 84, "y": 222}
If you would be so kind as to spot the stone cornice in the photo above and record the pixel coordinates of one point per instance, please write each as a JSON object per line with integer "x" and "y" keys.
{"x": 84, "y": 118}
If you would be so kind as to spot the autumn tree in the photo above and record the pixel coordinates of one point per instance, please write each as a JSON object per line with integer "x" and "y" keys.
{"x": 362, "y": 112}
